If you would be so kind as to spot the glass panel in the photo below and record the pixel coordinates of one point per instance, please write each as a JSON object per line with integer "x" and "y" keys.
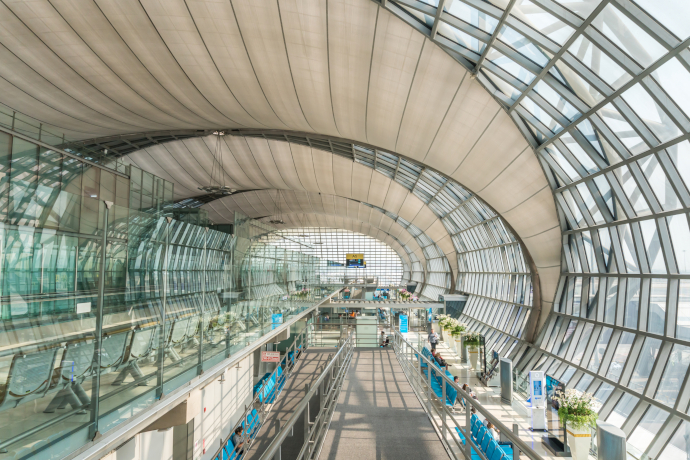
{"x": 541, "y": 21}
{"x": 645, "y": 363}
{"x": 647, "y": 429}
{"x": 680, "y": 236}
{"x": 651, "y": 113}
{"x": 674, "y": 375}
{"x": 620, "y": 356}
{"x": 623, "y": 32}
{"x": 600, "y": 63}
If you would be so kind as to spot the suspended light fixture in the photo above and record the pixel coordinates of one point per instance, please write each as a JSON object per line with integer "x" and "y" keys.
{"x": 278, "y": 220}
{"x": 217, "y": 179}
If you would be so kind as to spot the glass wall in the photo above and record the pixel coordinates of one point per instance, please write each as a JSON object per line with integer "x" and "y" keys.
{"x": 107, "y": 303}
{"x": 599, "y": 89}
{"x": 331, "y": 246}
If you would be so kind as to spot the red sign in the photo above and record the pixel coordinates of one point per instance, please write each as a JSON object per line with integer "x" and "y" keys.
{"x": 270, "y": 356}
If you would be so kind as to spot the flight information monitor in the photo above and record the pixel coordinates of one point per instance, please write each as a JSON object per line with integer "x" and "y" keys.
{"x": 355, "y": 261}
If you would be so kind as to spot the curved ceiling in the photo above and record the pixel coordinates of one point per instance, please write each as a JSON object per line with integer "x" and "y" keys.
{"x": 344, "y": 68}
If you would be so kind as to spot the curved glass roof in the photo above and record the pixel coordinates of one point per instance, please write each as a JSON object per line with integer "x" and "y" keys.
{"x": 599, "y": 88}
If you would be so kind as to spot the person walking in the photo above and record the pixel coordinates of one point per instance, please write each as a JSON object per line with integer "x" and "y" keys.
{"x": 433, "y": 340}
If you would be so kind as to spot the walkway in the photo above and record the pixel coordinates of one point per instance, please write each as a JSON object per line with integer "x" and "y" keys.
{"x": 378, "y": 416}
{"x": 307, "y": 370}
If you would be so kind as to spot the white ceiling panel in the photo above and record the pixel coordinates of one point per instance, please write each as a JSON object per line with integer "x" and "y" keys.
{"x": 470, "y": 113}
{"x": 304, "y": 164}
{"x": 265, "y": 162}
{"x": 351, "y": 26}
{"x": 306, "y": 38}
{"x": 282, "y": 155}
{"x": 323, "y": 168}
{"x": 262, "y": 31}
{"x": 396, "y": 52}
{"x": 436, "y": 81}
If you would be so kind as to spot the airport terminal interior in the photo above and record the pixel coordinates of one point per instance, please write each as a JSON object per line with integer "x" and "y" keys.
{"x": 344, "y": 229}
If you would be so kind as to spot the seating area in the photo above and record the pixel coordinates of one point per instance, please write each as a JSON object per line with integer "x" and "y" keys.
{"x": 481, "y": 437}
{"x": 250, "y": 429}
{"x": 437, "y": 379}
{"x": 270, "y": 385}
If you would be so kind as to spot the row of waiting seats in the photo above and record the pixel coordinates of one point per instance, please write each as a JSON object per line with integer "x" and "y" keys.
{"x": 250, "y": 428}
{"x": 268, "y": 389}
{"x": 62, "y": 369}
{"x": 437, "y": 379}
{"x": 481, "y": 437}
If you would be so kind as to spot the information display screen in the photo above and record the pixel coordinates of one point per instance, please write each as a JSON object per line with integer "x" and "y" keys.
{"x": 355, "y": 261}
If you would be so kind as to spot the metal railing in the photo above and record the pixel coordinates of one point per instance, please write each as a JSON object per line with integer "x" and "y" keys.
{"x": 446, "y": 420}
{"x": 327, "y": 385}
{"x": 263, "y": 407}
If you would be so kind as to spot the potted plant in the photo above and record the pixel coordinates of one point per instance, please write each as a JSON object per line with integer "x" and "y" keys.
{"x": 577, "y": 414}
{"x": 457, "y": 332}
{"x": 471, "y": 341}
{"x": 443, "y": 322}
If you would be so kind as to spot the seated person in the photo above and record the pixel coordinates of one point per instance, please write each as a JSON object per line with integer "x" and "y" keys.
{"x": 385, "y": 341}
{"x": 492, "y": 430}
{"x": 236, "y": 439}
{"x": 441, "y": 362}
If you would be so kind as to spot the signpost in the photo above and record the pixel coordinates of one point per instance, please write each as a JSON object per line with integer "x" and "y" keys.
{"x": 270, "y": 356}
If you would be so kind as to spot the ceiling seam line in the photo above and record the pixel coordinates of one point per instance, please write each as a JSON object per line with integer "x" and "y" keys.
{"x": 145, "y": 149}
{"x": 371, "y": 61}
{"x": 292, "y": 156}
{"x": 543, "y": 231}
{"x": 225, "y": 173}
{"x": 77, "y": 101}
{"x": 191, "y": 16}
{"x": 172, "y": 56}
{"x": 328, "y": 62}
{"x": 213, "y": 160}
{"x": 249, "y": 58}
{"x": 504, "y": 169}
{"x": 525, "y": 200}
{"x": 443, "y": 120}
{"x": 469, "y": 152}
{"x": 99, "y": 58}
{"x": 414, "y": 77}
{"x": 193, "y": 179}
{"x": 274, "y": 161}
{"x": 292, "y": 77}
{"x": 114, "y": 130}
{"x": 253, "y": 157}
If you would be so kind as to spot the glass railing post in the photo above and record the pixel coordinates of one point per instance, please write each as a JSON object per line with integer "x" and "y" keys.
{"x": 468, "y": 428}
{"x": 96, "y": 380}
{"x": 164, "y": 299}
{"x": 200, "y": 364}
{"x": 444, "y": 428}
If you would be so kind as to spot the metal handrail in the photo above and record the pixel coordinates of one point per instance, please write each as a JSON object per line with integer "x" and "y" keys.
{"x": 342, "y": 359}
{"x": 522, "y": 446}
{"x": 261, "y": 412}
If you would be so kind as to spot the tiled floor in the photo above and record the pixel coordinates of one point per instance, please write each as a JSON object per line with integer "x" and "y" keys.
{"x": 490, "y": 399}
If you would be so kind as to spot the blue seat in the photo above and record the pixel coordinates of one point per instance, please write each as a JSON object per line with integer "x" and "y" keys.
{"x": 507, "y": 450}
{"x": 475, "y": 431}
{"x": 486, "y": 440}
{"x": 490, "y": 448}
{"x": 480, "y": 434}
{"x": 475, "y": 455}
